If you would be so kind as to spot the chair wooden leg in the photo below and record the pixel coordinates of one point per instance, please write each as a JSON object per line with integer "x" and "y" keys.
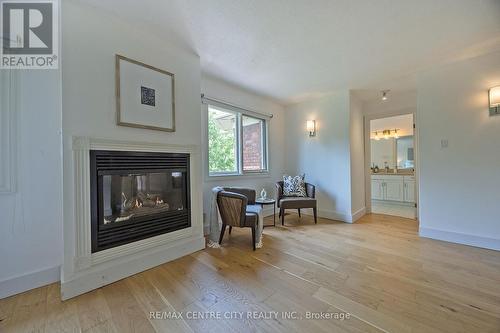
{"x": 299, "y": 211}
{"x": 230, "y": 229}
{"x": 253, "y": 237}
{"x": 282, "y": 212}
{"x": 222, "y": 230}
{"x": 315, "y": 216}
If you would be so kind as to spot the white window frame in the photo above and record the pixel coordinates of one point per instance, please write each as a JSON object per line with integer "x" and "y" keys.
{"x": 239, "y": 113}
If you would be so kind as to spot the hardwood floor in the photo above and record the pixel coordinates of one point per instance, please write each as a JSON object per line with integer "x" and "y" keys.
{"x": 377, "y": 269}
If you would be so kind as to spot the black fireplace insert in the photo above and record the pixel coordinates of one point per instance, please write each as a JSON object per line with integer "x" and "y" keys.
{"x": 137, "y": 195}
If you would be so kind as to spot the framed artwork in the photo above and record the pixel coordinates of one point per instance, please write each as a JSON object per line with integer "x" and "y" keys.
{"x": 145, "y": 96}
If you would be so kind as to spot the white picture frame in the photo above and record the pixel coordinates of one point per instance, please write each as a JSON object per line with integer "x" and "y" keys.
{"x": 145, "y": 96}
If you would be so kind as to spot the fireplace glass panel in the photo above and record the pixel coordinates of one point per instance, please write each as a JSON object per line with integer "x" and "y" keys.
{"x": 126, "y": 198}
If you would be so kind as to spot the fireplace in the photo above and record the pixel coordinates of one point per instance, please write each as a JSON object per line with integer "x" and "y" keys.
{"x": 137, "y": 195}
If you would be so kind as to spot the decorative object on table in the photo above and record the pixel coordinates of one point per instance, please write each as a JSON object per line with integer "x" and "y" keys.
{"x": 294, "y": 186}
{"x": 293, "y": 202}
{"x": 226, "y": 201}
{"x": 263, "y": 194}
{"x": 145, "y": 96}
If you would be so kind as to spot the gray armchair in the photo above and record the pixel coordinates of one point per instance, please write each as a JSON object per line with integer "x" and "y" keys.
{"x": 287, "y": 202}
{"x": 233, "y": 204}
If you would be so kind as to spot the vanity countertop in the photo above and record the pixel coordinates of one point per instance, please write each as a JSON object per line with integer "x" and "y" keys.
{"x": 383, "y": 173}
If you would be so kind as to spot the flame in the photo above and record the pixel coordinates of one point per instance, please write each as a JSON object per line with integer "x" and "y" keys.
{"x": 138, "y": 204}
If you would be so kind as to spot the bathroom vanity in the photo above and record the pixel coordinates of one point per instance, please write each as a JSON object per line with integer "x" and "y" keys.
{"x": 393, "y": 187}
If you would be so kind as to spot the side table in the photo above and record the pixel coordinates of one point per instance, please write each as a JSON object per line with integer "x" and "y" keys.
{"x": 265, "y": 201}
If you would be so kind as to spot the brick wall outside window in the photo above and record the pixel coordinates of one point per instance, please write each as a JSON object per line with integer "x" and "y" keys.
{"x": 252, "y": 147}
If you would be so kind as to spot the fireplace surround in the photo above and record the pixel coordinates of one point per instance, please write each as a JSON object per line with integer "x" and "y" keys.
{"x": 137, "y": 195}
{"x": 85, "y": 269}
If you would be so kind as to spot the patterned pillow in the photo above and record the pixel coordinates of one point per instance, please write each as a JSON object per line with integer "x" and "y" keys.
{"x": 294, "y": 186}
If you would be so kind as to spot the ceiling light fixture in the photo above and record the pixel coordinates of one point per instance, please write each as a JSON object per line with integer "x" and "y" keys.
{"x": 384, "y": 94}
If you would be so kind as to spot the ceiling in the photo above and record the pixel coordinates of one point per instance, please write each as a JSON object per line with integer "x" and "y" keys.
{"x": 291, "y": 50}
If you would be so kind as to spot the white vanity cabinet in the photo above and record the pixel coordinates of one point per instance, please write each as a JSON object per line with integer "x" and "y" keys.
{"x": 409, "y": 188}
{"x": 377, "y": 189}
{"x": 393, "y": 188}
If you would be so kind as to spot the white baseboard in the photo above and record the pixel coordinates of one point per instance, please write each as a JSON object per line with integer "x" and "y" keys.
{"x": 334, "y": 215}
{"x": 29, "y": 281}
{"x": 102, "y": 276}
{"x": 358, "y": 214}
{"x": 455, "y": 237}
{"x": 329, "y": 214}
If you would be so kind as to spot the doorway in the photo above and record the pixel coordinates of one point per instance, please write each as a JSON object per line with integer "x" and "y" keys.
{"x": 390, "y": 148}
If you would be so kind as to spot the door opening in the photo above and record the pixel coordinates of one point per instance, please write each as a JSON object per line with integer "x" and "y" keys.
{"x": 390, "y": 147}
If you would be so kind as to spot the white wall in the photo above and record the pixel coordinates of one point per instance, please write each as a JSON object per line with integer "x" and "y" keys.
{"x": 31, "y": 218}
{"x": 91, "y": 39}
{"x": 325, "y": 158}
{"x": 357, "y": 149}
{"x": 459, "y": 185}
{"x": 224, "y": 91}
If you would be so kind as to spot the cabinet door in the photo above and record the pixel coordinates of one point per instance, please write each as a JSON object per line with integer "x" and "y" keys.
{"x": 377, "y": 190}
{"x": 394, "y": 190}
{"x": 409, "y": 191}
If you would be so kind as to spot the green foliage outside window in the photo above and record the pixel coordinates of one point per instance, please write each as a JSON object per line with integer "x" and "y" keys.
{"x": 221, "y": 148}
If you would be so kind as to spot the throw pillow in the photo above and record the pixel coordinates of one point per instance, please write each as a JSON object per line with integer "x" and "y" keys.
{"x": 294, "y": 186}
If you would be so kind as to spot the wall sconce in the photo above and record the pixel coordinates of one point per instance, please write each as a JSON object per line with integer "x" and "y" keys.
{"x": 494, "y": 100}
{"x": 311, "y": 127}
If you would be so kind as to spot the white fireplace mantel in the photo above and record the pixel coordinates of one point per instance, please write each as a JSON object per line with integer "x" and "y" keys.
{"x": 83, "y": 270}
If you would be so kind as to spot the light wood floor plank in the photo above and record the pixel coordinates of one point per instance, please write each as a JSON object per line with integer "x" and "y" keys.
{"x": 94, "y": 314}
{"x": 29, "y": 313}
{"x": 126, "y": 312}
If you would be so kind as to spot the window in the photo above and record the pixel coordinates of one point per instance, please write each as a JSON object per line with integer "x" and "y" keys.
{"x": 222, "y": 141}
{"x": 237, "y": 142}
{"x": 253, "y": 143}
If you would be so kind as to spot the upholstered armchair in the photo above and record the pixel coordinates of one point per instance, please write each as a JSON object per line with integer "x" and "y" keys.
{"x": 237, "y": 209}
{"x": 287, "y": 202}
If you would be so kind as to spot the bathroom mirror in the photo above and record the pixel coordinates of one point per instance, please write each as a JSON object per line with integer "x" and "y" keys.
{"x": 405, "y": 152}
{"x": 393, "y": 152}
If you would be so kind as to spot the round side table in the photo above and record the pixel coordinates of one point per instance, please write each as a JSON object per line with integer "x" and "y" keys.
{"x": 266, "y": 201}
